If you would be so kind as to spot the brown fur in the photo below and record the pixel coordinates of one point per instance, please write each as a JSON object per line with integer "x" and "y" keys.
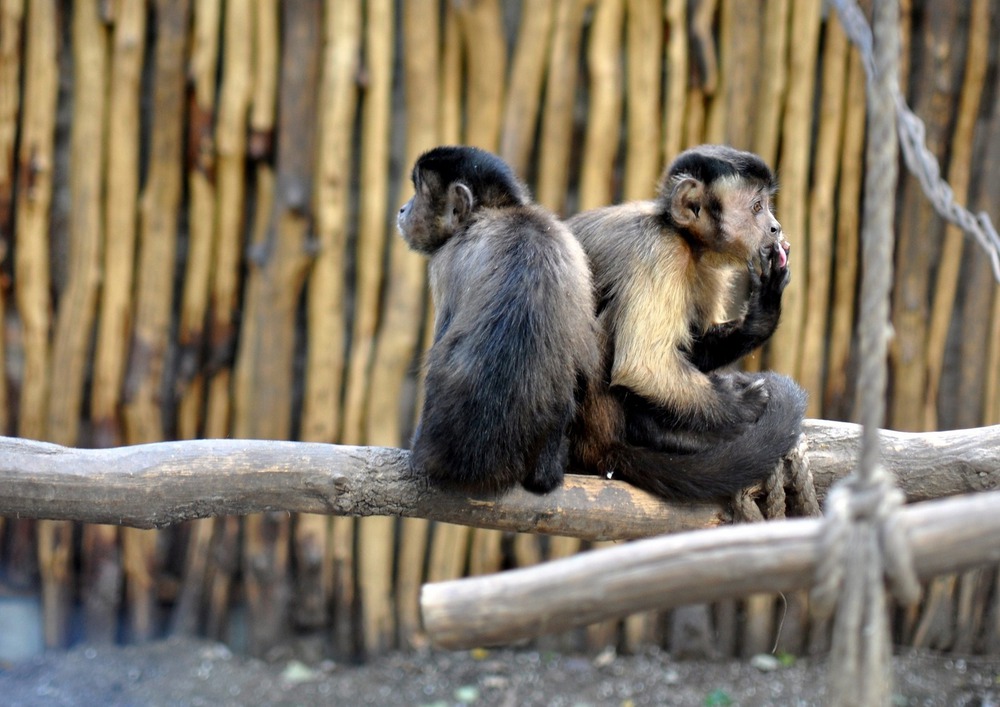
{"x": 664, "y": 272}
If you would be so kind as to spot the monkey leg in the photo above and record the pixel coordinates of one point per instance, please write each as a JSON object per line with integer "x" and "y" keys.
{"x": 550, "y": 464}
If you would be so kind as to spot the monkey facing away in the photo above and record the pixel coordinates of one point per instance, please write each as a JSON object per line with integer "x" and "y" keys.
{"x": 662, "y": 416}
{"x": 514, "y": 331}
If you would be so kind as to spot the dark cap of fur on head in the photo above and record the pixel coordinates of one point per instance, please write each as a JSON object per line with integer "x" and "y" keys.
{"x": 708, "y": 163}
{"x": 490, "y": 179}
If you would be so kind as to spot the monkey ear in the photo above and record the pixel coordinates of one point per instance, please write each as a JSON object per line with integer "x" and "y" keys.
{"x": 687, "y": 202}
{"x": 457, "y": 206}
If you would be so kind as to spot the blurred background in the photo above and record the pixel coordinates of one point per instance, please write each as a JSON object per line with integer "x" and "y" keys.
{"x": 197, "y": 209}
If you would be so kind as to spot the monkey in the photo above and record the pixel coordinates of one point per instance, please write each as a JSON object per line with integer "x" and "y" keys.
{"x": 662, "y": 415}
{"x": 515, "y": 329}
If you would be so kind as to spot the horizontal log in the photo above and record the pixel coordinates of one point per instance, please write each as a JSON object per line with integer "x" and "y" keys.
{"x": 698, "y": 567}
{"x": 154, "y": 485}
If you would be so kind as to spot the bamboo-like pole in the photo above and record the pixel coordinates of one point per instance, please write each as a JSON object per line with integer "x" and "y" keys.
{"x": 992, "y": 403}
{"x": 376, "y": 536}
{"x": 201, "y": 183}
{"x": 279, "y": 260}
{"x": 644, "y": 22}
{"x": 194, "y": 306}
{"x": 36, "y": 156}
{"x": 325, "y": 299}
{"x": 913, "y": 356}
{"x": 676, "y": 570}
{"x": 160, "y": 204}
{"x": 774, "y": 78}
{"x": 77, "y": 308}
{"x": 822, "y": 212}
{"x": 121, "y": 209}
{"x": 485, "y": 43}
{"x": 604, "y": 113}
{"x": 920, "y": 229}
{"x": 555, "y": 141}
{"x": 785, "y": 347}
{"x": 703, "y": 70}
{"x": 11, "y": 37}
{"x": 11, "y": 23}
{"x": 231, "y": 144}
{"x": 991, "y": 313}
{"x": 524, "y": 90}
{"x": 676, "y": 90}
{"x": 740, "y": 28}
{"x": 969, "y": 400}
{"x": 959, "y": 175}
{"x": 122, "y": 188}
{"x": 837, "y": 396}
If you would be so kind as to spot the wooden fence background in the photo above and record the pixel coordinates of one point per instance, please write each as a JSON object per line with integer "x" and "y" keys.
{"x": 197, "y": 201}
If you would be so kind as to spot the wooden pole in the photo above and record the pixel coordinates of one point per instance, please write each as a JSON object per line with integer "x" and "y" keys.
{"x": 945, "y": 535}
{"x": 154, "y": 485}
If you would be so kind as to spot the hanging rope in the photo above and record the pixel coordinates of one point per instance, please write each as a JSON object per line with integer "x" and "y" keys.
{"x": 861, "y": 545}
{"x": 913, "y": 138}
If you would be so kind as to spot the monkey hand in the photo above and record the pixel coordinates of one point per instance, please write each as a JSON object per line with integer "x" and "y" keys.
{"x": 744, "y": 395}
{"x": 768, "y": 283}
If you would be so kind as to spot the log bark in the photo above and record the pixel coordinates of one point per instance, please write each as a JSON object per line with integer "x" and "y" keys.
{"x": 154, "y": 485}
{"x": 944, "y": 535}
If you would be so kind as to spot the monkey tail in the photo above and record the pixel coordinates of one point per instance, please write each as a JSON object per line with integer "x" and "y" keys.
{"x": 722, "y": 469}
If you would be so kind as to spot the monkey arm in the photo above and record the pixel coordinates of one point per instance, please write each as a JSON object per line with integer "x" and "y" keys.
{"x": 722, "y": 344}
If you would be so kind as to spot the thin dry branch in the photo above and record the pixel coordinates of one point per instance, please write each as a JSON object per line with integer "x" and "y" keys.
{"x": 158, "y": 484}
{"x": 695, "y": 567}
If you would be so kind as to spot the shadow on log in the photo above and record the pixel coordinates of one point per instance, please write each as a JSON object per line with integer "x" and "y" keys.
{"x": 154, "y": 485}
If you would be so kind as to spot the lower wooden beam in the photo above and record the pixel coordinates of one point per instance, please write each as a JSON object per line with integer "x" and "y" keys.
{"x": 704, "y": 566}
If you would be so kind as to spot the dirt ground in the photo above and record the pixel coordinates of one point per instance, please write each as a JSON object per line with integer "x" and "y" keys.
{"x": 180, "y": 672}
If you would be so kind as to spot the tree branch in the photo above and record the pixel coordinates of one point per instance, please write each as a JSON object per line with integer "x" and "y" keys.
{"x": 154, "y": 485}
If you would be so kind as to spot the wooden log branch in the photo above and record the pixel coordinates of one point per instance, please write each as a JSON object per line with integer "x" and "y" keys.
{"x": 945, "y": 535}
{"x": 154, "y": 485}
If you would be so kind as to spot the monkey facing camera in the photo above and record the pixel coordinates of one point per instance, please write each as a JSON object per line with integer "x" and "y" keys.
{"x": 514, "y": 328}
{"x": 664, "y": 415}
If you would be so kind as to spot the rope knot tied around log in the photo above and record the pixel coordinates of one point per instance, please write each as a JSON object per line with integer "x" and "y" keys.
{"x": 792, "y": 471}
{"x": 856, "y": 507}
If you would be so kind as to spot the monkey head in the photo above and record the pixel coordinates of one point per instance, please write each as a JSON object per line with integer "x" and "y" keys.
{"x": 451, "y": 184}
{"x": 721, "y": 200}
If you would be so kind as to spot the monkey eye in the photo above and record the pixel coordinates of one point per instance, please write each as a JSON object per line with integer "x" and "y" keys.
{"x": 757, "y": 207}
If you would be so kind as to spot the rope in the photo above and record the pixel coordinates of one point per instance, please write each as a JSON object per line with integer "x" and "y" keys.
{"x": 913, "y": 138}
{"x": 861, "y": 546}
{"x": 792, "y": 471}
{"x": 801, "y": 480}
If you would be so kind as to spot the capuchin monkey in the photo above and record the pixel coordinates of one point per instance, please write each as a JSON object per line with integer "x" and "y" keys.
{"x": 515, "y": 332}
{"x": 662, "y": 415}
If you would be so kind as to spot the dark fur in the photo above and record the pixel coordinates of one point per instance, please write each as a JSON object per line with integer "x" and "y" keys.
{"x": 663, "y": 416}
{"x": 514, "y": 329}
